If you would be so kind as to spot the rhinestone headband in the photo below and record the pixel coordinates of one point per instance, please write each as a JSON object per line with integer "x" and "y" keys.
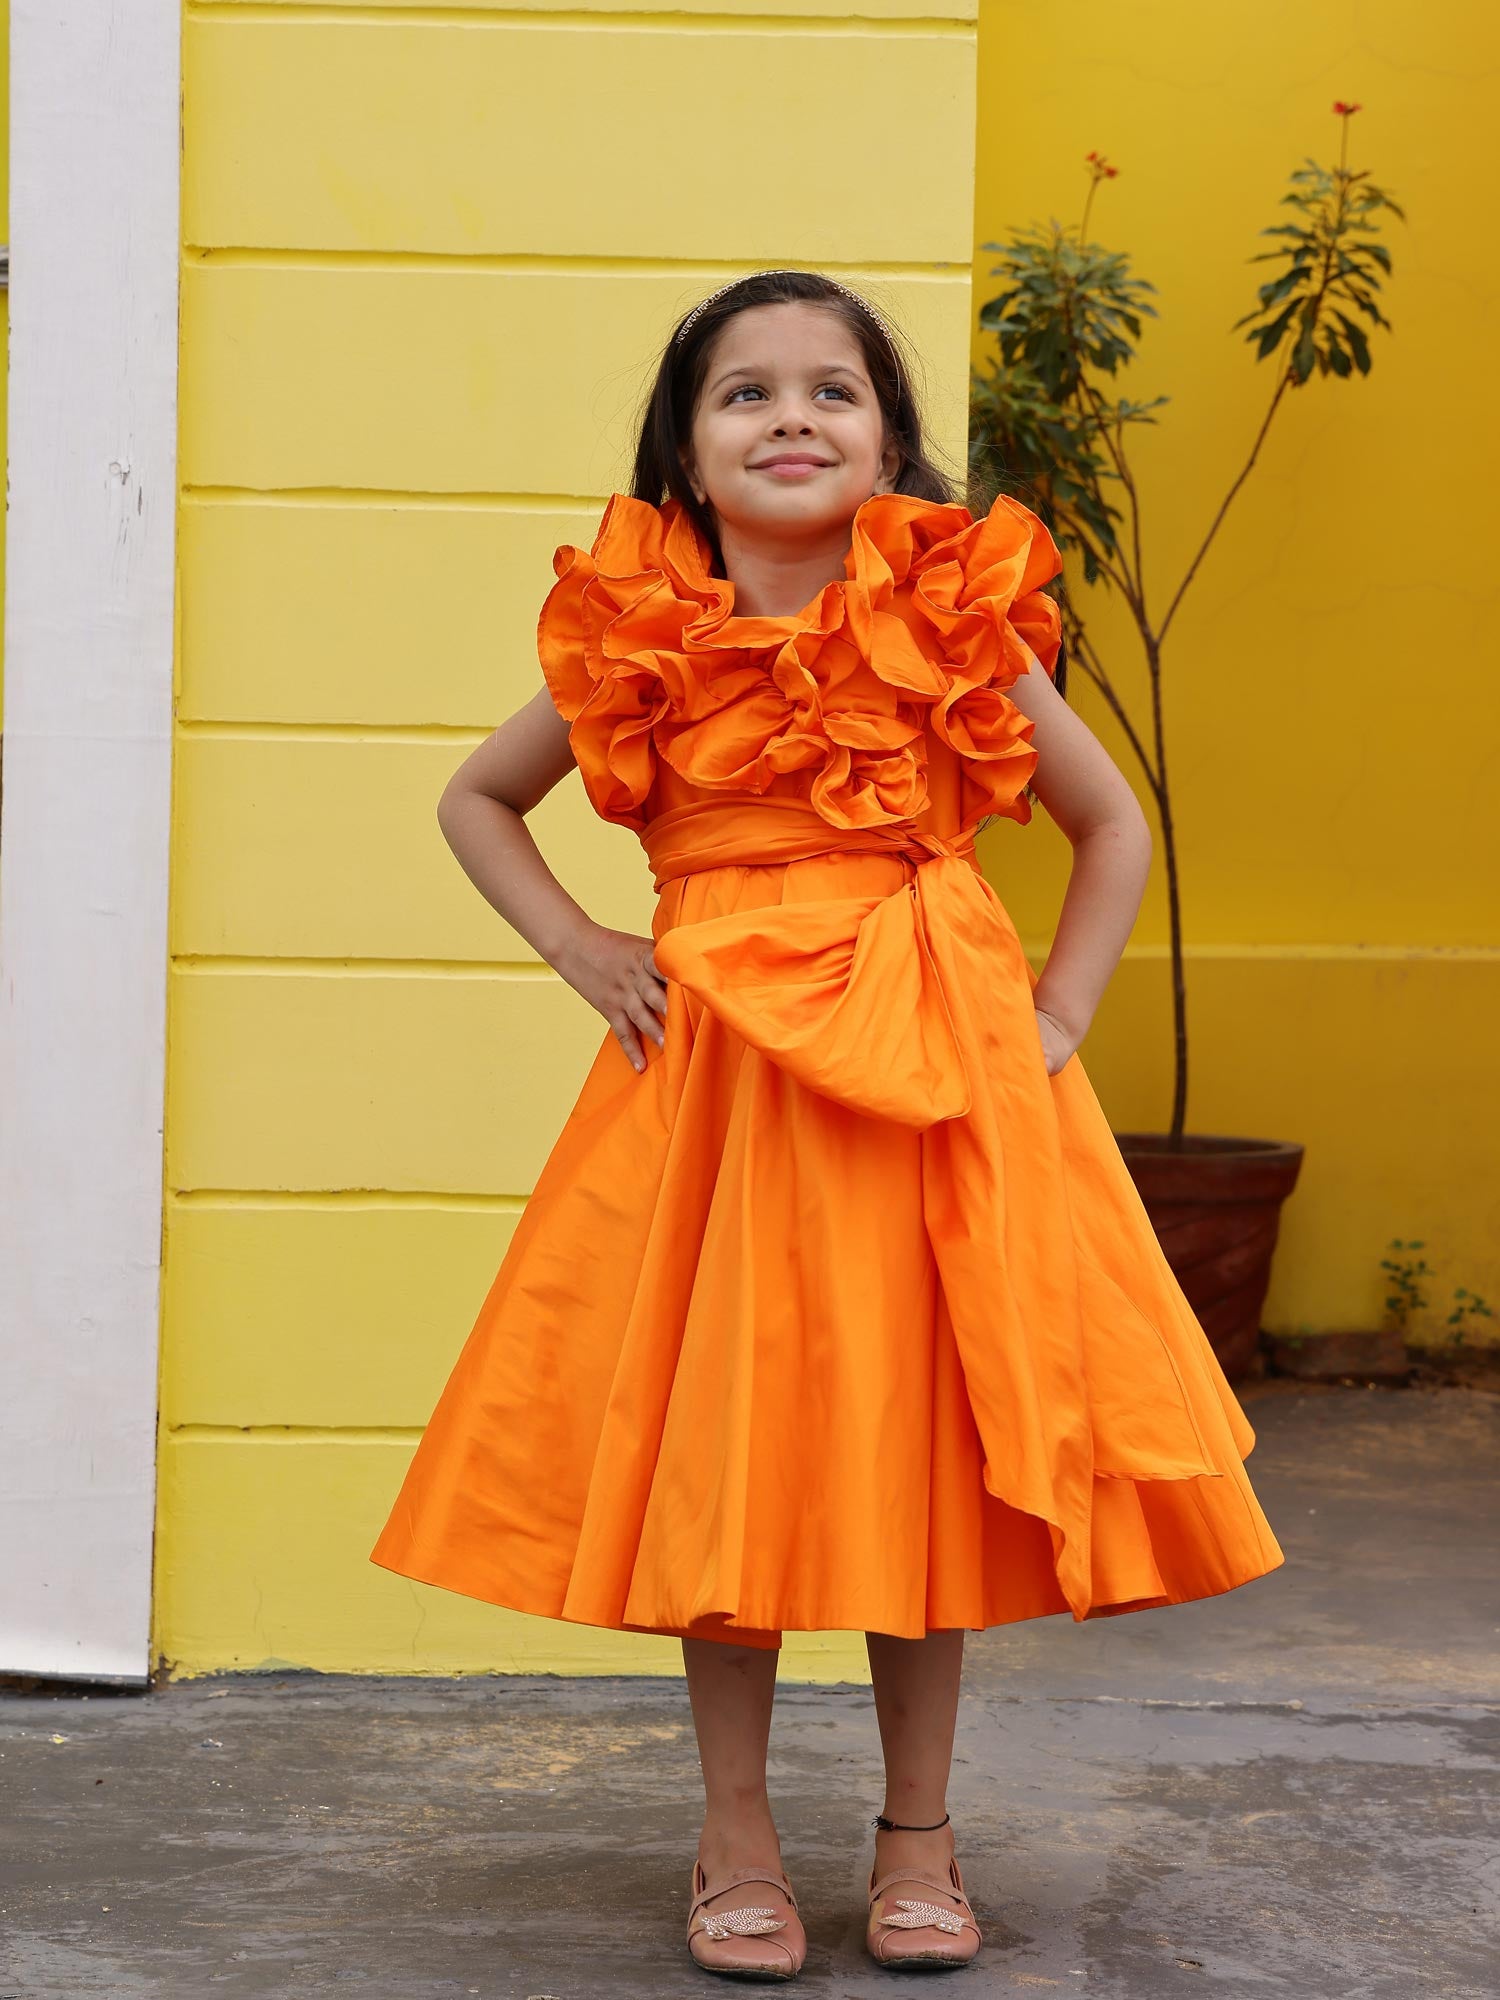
{"x": 790, "y": 271}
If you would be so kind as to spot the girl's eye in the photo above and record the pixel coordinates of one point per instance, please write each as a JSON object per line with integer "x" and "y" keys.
{"x": 838, "y": 386}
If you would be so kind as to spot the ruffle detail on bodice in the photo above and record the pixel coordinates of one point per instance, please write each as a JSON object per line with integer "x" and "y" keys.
{"x": 936, "y": 615}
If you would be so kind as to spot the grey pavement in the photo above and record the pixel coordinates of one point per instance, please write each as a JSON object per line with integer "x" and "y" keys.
{"x": 1284, "y": 1790}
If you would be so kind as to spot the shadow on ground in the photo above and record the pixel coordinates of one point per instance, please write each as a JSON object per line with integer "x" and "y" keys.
{"x": 1280, "y": 1791}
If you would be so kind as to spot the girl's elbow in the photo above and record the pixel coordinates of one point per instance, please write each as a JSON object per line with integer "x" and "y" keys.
{"x": 1143, "y": 829}
{"x": 447, "y": 808}
{"x": 1123, "y": 822}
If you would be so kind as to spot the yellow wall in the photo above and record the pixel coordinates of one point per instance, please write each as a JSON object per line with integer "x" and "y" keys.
{"x": 1331, "y": 678}
{"x": 428, "y": 265}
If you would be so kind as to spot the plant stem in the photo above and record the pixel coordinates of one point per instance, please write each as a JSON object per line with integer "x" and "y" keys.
{"x": 1192, "y": 569}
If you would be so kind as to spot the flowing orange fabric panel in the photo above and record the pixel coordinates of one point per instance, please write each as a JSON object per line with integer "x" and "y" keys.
{"x": 842, "y": 1314}
{"x": 915, "y": 1006}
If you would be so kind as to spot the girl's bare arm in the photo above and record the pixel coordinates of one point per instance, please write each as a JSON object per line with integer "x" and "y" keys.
{"x": 1086, "y": 793}
{"x": 482, "y": 815}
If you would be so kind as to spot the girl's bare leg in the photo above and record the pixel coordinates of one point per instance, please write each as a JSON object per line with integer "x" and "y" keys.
{"x": 916, "y": 1705}
{"x": 732, "y": 1689}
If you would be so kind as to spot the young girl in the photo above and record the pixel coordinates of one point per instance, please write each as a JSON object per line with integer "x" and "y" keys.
{"x": 834, "y": 1306}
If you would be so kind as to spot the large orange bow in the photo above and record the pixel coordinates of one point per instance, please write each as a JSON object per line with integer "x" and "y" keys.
{"x": 849, "y": 994}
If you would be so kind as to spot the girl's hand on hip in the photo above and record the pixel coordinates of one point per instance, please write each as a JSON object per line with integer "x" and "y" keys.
{"x": 1057, "y": 1041}
{"x": 616, "y": 972}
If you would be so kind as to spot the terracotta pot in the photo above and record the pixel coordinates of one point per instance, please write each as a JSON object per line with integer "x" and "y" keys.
{"x": 1215, "y": 1205}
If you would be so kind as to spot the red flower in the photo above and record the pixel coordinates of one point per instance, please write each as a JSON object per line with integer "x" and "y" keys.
{"x": 1345, "y": 110}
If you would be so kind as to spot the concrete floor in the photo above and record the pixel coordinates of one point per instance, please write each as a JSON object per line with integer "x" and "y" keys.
{"x": 1280, "y": 1791}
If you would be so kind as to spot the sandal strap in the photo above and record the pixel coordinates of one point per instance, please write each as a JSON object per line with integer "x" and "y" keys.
{"x": 928, "y": 1881}
{"x": 734, "y": 1878}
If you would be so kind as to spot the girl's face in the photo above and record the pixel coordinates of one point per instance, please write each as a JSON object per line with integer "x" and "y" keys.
{"x": 787, "y": 378}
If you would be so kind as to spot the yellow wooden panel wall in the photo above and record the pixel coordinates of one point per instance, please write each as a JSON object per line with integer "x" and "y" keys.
{"x": 322, "y": 847}
{"x": 401, "y": 137}
{"x": 416, "y": 381}
{"x": 327, "y": 1313}
{"x": 430, "y": 624}
{"x": 428, "y": 265}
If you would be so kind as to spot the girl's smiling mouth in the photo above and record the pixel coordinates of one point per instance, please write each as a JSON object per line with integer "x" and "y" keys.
{"x": 789, "y": 458}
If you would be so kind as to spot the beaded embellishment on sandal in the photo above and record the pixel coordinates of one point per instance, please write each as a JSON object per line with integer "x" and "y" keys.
{"x": 740, "y": 1923}
{"x": 914, "y": 1915}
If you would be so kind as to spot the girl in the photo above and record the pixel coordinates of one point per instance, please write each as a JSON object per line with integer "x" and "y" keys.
{"x": 834, "y": 1306}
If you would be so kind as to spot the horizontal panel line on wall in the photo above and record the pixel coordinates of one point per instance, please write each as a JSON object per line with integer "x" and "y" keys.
{"x": 529, "y": 504}
{"x": 1329, "y": 954}
{"x": 253, "y": 730}
{"x": 293, "y": 1433}
{"x": 602, "y": 20}
{"x": 1294, "y": 954}
{"x": 218, "y": 965}
{"x": 240, "y": 256}
{"x": 346, "y": 1199}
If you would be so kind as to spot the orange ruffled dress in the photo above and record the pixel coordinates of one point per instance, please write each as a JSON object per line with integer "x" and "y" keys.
{"x": 842, "y": 1314}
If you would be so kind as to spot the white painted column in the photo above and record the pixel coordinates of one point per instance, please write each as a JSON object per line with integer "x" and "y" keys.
{"x": 86, "y": 818}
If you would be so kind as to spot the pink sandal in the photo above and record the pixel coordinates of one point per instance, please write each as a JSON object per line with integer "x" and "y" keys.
{"x": 738, "y": 1942}
{"x": 917, "y": 1932}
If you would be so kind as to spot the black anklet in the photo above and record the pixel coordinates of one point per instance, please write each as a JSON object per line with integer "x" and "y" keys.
{"x": 895, "y": 1826}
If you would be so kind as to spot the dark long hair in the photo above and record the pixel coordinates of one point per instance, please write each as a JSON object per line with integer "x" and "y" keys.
{"x": 667, "y": 420}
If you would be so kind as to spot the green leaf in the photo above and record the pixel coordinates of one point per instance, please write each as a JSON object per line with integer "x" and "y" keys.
{"x": 1278, "y": 287}
{"x": 1357, "y": 341}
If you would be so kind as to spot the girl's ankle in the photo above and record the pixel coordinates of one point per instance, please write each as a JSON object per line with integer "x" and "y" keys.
{"x": 902, "y": 1847}
{"x": 906, "y": 1819}
{"x": 738, "y": 1840}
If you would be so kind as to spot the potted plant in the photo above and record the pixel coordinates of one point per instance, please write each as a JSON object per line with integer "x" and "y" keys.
{"x": 1046, "y": 427}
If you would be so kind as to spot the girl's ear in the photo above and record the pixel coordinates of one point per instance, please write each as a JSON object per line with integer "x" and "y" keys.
{"x": 685, "y": 459}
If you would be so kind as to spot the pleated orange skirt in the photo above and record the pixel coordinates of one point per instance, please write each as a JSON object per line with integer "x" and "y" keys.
{"x": 843, "y": 1314}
